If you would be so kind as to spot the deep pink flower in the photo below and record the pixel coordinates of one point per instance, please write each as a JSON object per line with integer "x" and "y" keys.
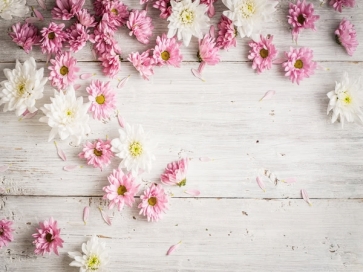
{"x": 77, "y": 37}
{"x": 176, "y": 173}
{"x": 154, "y": 202}
{"x": 111, "y": 63}
{"x": 98, "y": 154}
{"x": 164, "y": 6}
{"x": 63, "y": 70}
{"x": 210, "y": 5}
{"x": 99, "y": 7}
{"x": 262, "y": 53}
{"x": 86, "y": 19}
{"x": 167, "y": 51}
{"x": 47, "y": 237}
{"x": 347, "y": 36}
{"x": 122, "y": 189}
{"x": 103, "y": 99}
{"x": 140, "y": 26}
{"x": 339, "y": 4}
{"x": 66, "y": 9}
{"x": 208, "y": 51}
{"x": 6, "y": 232}
{"x": 227, "y": 33}
{"x": 117, "y": 13}
{"x": 25, "y": 35}
{"x": 299, "y": 64}
{"x": 52, "y": 38}
{"x": 301, "y": 16}
{"x": 103, "y": 38}
{"x": 143, "y": 63}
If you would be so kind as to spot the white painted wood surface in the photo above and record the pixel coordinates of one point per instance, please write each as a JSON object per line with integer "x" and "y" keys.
{"x": 222, "y": 118}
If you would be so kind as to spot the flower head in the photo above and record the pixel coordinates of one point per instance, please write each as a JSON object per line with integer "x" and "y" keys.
{"x": 97, "y": 153}
{"x": 52, "y": 38}
{"x": 208, "y": 51}
{"x": 86, "y": 19}
{"x": 299, "y": 64}
{"x": 164, "y": 6}
{"x": 111, "y": 62}
{"x": 143, "y": 63}
{"x": 122, "y": 189}
{"x": 135, "y": 148}
{"x": 103, "y": 38}
{"x": 23, "y": 86}
{"x": 6, "y": 232}
{"x": 63, "y": 70}
{"x": 262, "y": 53}
{"x": 347, "y": 36}
{"x": 117, "y": 13}
{"x": 187, "y": 19}
{"x": 47, "y": 237}
{"x": 176, "y": 173}
{"x": 17, "y": 8}
{"x": 140, "y": 26}
{"x": 77, "y": 37}
{"x": 25, "y": 35}
{"x": 103, "y": 99}
{"x": 167, "y": 51}
{"x": 154, "y": 202}
{"x": 339, "y": 4}
{"x": 67, "y": 116}
{"x": 66, "y": 9}
{"x": 346, "y": 101}
{"x": 227, "y": 33}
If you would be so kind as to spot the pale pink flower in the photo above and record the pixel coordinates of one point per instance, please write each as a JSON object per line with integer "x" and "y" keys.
{"x": 47, "y": 237}
{"x": 25, "y": 35}
{"x": 143, "y": 63}
{"x": 52, "y": 38}
{"x": 227, "y": 33}
{"x": 140, "y": 26}
{"x": 208, "y": 51}
{"x": 301, "y": 16}
{"x": 175, "y": 173}
{"x": 164, "y": 6}
{"x": 103, "y": 38}
{"x": 122, "y": 189}
{"x": 103, "y": 99}
{"x": 63, "y": 70}
{"x": 111, "y": 63}
{"x": 167, "y": 51}
{"x": 98, "y": 154}
{"x": 117, "y": 13}
{"x": 210, "y": 5}
{"x": 154, "y": 202}
{"x": 339, "y": 4}
{"x": 347, "y": 36}
{"x": 6, "y": 232}
{"x": 77, "y": 37}
{"x": 262, "y": 53}
{"x": 299, "y": 64}
{"x": 66, "y": 9}
{"x": 86, "y": 19}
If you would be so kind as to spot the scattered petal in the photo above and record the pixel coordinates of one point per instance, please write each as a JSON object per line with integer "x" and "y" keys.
{"x": 212, "y": 31}
{"x": 289, "y": 180}
{"x": 192, "y": 192}
{"x": 279, "y": 61}
{"x": 205, "y": 159}
{"x": 77, "y": 87}
{"x": 173, "y": 248}
{"x": 197, "y": 74}
{"x": 30, "y": 115}
{"x": 31, "y": 20}
{"x": 268, "y": 95}
{"x": 60, "y": 152}
{"x": 38, "y": 14}
{"x": 42, "y": 4}
{"x": 305, "y": 196}
{"x": 121, "y": 120}
{"x": 70, "y": 168}
{"x": 85, "y": 214}
{"x": 105, "y": 217}
{"x": 86, "y": 76}
{"x": 123, "y": 82}
{"x": 261, "y": 184}
{"x": 3, "y": 168}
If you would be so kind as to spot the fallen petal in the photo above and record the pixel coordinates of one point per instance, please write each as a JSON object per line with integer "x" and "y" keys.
{"x": 173, "y": 248}
{"x": 105, "y": 217}
{"x": 261, "y": 184}
{"x": 70, "y": 168}
{"x": 121, "y": 120}
{"x": 3, "y": 168}
{"x": 205, "y": 159}
{"x": 86, "y": 76}
{"x": 30, "y": 115}
{"x": 31, "y": 20}
{"x": 42, "y": 4}
{"x": 268, "y": 95}
{"x": 123, "y": 82}
{"x": 60, "y": 152}
{"x": 211, "y": 31}
{"x": 289, "y": 180}
{"x": 85, "y": 214}
{"x": 278, "y": 61}
{"x": 197, "y": 74}
{"x": 305, "y": 196}
{"x": 192, "y": 192}
{"x": 77, "y": 87}
{"x": 38, "y": 14}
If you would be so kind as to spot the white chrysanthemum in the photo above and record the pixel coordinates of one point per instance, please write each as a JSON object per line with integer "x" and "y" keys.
{"x": 135, "y": 148}
{"x": 346, "y": 100}
{"x": 67, "y": 116}
{"x": 187, "y": 19}
{"x": 94, "y": 257}
{"x": 9, "y": 8}
{"x": 250, "y": 16}
{"x": 24, "y": 85}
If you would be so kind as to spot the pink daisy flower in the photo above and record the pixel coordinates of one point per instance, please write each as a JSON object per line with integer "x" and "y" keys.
{"x": 52, "y": 38}
{"x": 154, "y": 202}
{"x": 103, "y": 99}
{"x": 262, "y": 53}
{"x": 167, "y": 52}
{"x": 47, "y": 237}
{"x": 77, "y": 37}
{"x": 66, "y": 9}
{"x": 299, "y": 64}
{"x": 98, "y": 154}
{"x": 86, "y": 19}
{"x": 175, "y": 173}
{"x": 227, "y": 33}
{"x": 208, "y": 51}
{"x": 111, "y": 63}
{"x": 117, "y": 13}
{"x": 122, "y": 189}
{"x": 140, "y": 26}
{"x": 103, "y": 38}
{"x": 346, "y": 36}
{"x": 301, "y": 16}
{"x": 63, "y": 70}
{"x": 143, "y": 63}
{"x": 210, "y": 5}
{"x": 164, "y": 6}
{"x": 339, "y": 4}
{"x": 6, "y": 232}
{"x": 25, "y": 35}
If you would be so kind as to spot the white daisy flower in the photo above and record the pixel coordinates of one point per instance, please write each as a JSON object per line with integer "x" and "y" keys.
{"x": 135, "y": 149}
{"x": 94, "y": 256}
{"x": 9, "y": 8}
{"x": 346, "y": 101}
{"x": 187, "y": 19}
{"x": 67, "y": 116}
{"x": 24, "y": 85}
{"x": 250, "y": 16}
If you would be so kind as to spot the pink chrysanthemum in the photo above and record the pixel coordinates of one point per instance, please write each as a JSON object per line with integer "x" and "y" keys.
{"x": 140, "y": 26}
{"x": 143, "y": 63}
{"x": 117, "y": 13}
{"x": 66, "y": 9}
{"x": 63, "y": 70}
{"x": 77, "y": 37}
{"x": 47, "y": 237}
{"x": 86, "y": 19}
{"x": 176, "y": 173}
{"x": 339, "y": 4}
{"x": 167, "y": 52}
{"x": 111, "y": 63}
{"x": 103, "y": 99}
{"x": 262, "y": 53}
{"x": 347, "y": 36}
{"x": 25, "y": 35}
{"x": 98, "y": 154}
{"x": 52, "y": 38}
{"x": 154, "y": 202}
{"x": 210, "y": 5}
{"x": 6, "y": 232}
{"x": 227, "y": 33}
{"x": 164, "y": 6}
{"x": 301, "y": 16}
{"x": 208, "y": 51}
{"x": 122, "y": 189}
{"x": 103, "y": 38}
{"x": 299, "y": 64}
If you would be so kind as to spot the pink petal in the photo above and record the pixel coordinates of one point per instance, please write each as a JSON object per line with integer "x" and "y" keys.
{"x": 42, "y": 4}
{"x": 60, "y": 152}
{"x": 30, "y": 115}
{"x": 205, "y": 159}
{"x": 192, "y": 192}
{"x": 260, "y": 183}
{"x": 289, "y": 180}
{"x": 70, "y": 167}
{"x": 76, "y": 86}
{"x": 121, "y": 121}
{"x": 173, "y": 248}
{"x": 3, "y": 168}
{"x": 305, "y": 196}
{"x": 31, "y": 20}
{"x": 94, "y": 54}
{"x": 105, "y": 217}
{"x": 197, "y": 74}
{"x": 211, "y": 31}
{"x": 86, "y": 76}
{"x": 85, "y": 214}
{"x": 268, "y": 95}
{"x": 123, "y": 82}
{"x": 38, "y": 14}
{"x": 279, "y": 61}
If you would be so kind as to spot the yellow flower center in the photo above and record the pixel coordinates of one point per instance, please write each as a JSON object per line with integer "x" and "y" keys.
{"x": 93, "y": 262}
{"x": 97, "y": 152}
{"x": 49, "y": 237}
{"x": 100, "y": 99}
{"x": 51, "y": 36}
{"x": 121, "y": 190}
{"x": 299, "y": 64}
{"x": 182, "y": 183}
{"x": 152, "y": 201}
{"x": 135, "y": 149}
{"x": 21, "y": 88}
{"x": 187, "y": 16}
{"x": 301, "y": 19}
{"x": 263, "y": 53}
{"x": 165, "y": 55}
{"x": 114, "y": 11}
{"x": 347, "y": 99}
{"x": 63, "y": 70}
{"x": 247, "y": 9}
{"x": 1, "y": 232}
